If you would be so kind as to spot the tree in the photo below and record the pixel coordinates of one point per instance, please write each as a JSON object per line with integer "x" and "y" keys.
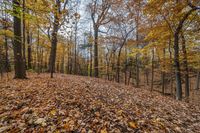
{"x": 175, "y": 21}
{"x": 19, "y": 65}
{"x": 59, "y": 13}
{"x": 99, "y": 14}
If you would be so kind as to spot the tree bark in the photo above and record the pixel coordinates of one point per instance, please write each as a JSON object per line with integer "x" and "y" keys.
{"x": 197, "y": 81}
{"x": 163, "y": 73}
{"x": 176, "y": 53}
{"x": 37, "y": 52}
{"x": 185, "y": 65}
{"x": 54, "y": 40}
{"x": 7, "y": 64}
{"x": 24, "y": 35}
{"x": 20, "y": 72}
{"x": 152, "y": 71}
{"x": 91, "y": 61}
{"x": 118, "y": 64}
{"x": 29, "y": 50}
{"x": 96, "y": 62}
{"x": 177, "y": 67}
{"x": 75, "y": 49}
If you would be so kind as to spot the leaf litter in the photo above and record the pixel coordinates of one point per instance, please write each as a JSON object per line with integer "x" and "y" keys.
{"x": 78, "y": 104}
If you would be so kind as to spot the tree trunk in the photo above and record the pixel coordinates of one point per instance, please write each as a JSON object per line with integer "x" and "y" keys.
{"x": 7, "y": 64}
{"x": 171, "y": 69}
{"x": 62, "y": 62}
{"x": 126, "y": 66}
{"x": 52, "y": 59}
{"x": 197, "y": 81}
{"x": 118, "y": 65}
{"x": 91, "y": 61}
{"x": 41, "y": 59}
{"x": 24, "y": 35}
{"x": 176, "y": 53}
{"x": 75, "y": 50}
{"x": 53, "y": 50}
{"x": 29, "y": 50}
{"x": 20, "y": 72}
{"x": 147, "y": 76}
{"x": 185, "y": 65}
{"x": 37, "y": 52}
{"x": 177, "y": 67}
{"x": 1, "y": 62}
{"x": 152, "y": 71}
{"x": 163, "y": 73}
{"x": 96, "y": 62}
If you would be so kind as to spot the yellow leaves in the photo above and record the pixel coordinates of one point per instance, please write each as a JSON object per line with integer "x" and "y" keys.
{"x": 132, "y": 125}
{"x": 104, "y": 130}
{"x": 135, "y": 51}
{"x": 119, "y": 112}
{"x": 53, "y": 112}
{"x": 7, "y": 33}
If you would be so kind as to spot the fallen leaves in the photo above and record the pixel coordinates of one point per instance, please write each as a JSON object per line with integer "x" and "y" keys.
{"x": 132, "y": 125}
{"x": 40, "y": 121}
{"x": 104, "y": 130}
{"x": 86, "y": 105}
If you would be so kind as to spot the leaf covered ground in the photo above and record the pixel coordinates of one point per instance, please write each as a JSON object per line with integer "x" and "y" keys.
{"x": 87, "y": 105}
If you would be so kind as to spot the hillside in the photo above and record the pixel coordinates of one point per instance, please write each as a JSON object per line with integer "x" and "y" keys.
{"x": 80, "y": 104}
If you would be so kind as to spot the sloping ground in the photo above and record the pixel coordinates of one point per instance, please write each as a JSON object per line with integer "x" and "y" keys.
{"x": 81, "y": 104}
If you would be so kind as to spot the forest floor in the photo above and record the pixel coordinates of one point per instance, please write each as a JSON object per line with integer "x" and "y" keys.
{"x": 81, "y": 104}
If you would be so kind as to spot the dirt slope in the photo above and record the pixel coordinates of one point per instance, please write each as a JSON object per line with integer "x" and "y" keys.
{"x": 81, "y": 104}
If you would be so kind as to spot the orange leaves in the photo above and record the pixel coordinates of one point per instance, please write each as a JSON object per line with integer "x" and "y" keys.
{"x": 81, "y": 104}
{"x": 132, "y": 125}
{"x": 104, "y": 130}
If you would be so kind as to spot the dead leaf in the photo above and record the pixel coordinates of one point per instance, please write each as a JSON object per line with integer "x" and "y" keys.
{"x": 132, "y": 125}
{"x": 104, "y": 130}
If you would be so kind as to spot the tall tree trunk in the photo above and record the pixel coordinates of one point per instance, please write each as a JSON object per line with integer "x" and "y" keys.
{"x": 75, "y": 49}
{"x": 152, "y": 70}
{"x": 126, "y": 67}
{"x": 147, "y": 76}
{"x": 171, "y": 68}
{"x": 53, "y": 50}
{"x": 137, "y": 72}
{"x": 118, "y": 64}
{"x": 197, "y": 81}
{"x": 68, "y": 57}
{"x": 37, "y": 52}
{"x": 176, "y": 52}
{"x": 52, "y": 59}
{"x": 29, "y": 50}
{"x": 177, "y": 67}
{"x": 185, "y": 65}
{"x": 163, "y": 73}
{"x": 7, "y": 64}
{"x": 91, "y": 61}
{"x": 1, "y": 62}
{"x": 137, "y": 55}
{"x": 96, "y": 62}
{"x": 41, "y": 59}
{"x": 62, "y": 62}
{"x": 20, "y": 72}
{"x": 24, "y": 35}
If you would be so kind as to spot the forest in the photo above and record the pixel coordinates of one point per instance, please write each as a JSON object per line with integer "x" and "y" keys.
{"x": 100, "y": 66}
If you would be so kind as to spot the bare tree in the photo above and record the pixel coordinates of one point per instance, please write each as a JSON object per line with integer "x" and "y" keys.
{"x": 99, "y": 13}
